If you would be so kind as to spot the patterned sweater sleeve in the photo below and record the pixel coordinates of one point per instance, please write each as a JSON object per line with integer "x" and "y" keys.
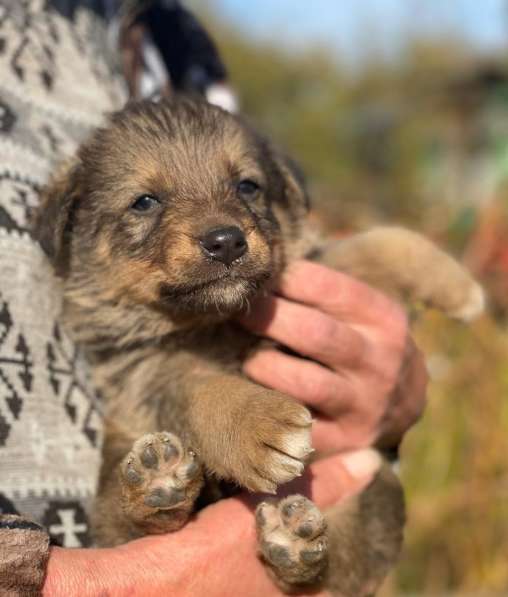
{"x": 24, "y": 552}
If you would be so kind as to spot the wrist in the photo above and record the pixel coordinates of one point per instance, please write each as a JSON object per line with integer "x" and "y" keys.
{"x": 24, "y": 552}
{"x": 80, "y": 572}
{"x": 164, "y": 564}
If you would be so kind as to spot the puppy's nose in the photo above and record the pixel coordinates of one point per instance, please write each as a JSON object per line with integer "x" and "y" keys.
{"x": 224, "y": 244}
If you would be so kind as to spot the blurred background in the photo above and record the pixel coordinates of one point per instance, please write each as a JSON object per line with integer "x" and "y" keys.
{"x": 398, "y": 112}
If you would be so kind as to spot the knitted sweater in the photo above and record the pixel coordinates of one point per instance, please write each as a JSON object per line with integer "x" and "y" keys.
{"x": 57, "y": 78}
{"x": 59, "y": 75}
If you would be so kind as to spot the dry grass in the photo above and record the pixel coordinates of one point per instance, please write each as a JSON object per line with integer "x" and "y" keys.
{"x": 455, "y": 466}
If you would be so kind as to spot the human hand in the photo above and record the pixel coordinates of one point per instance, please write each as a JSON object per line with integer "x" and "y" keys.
{"x": 213, "y": 555}
{"x": 366, "y": 380}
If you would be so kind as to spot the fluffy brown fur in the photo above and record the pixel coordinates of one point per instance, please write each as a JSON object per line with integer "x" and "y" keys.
{"x": 155, "y": 312}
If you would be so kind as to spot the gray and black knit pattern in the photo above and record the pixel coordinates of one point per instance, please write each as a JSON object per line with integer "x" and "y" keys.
{"x": 57, "y": 80}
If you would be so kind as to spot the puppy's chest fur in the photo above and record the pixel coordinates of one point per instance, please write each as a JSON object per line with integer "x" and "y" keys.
{"x": 142, "y": 384}
{"x": 142, "y": 388}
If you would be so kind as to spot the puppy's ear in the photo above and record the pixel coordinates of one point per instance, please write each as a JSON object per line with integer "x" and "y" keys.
{"x": 296, "y": 196}
{"x": 54, "y": 218}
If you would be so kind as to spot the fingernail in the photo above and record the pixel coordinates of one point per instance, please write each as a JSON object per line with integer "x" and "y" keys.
{"x": 362, "y": 463}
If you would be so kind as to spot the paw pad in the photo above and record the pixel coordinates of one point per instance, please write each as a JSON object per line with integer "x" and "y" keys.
{"x": 292, "y": 538}
{"x": 161, "y": 472}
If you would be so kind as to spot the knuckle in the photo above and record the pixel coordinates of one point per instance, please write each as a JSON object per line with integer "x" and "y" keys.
{"x": 385, "y": 376}
{"x": 354, "y": 348}
{"x": 318, "y": 389}
{"x": 336, "y": 342}
{"x": 322, "y": 333}
{"x": 395, "y": 326}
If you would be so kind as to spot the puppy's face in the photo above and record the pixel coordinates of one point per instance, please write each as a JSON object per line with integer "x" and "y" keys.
{"x": 176, "y": 205}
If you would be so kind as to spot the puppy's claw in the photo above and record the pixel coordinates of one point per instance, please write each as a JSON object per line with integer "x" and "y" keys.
{"x": 131, "y": 475}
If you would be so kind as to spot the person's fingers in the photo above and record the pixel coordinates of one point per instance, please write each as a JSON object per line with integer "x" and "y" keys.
{"x": 306, "y": 381}
{"x": 340, "y": 476}
{"x": 307, "y": 331}
{"x": 331, "y": 435}
{"x": 335, "y": 293}
{"x": 329, "y": 480}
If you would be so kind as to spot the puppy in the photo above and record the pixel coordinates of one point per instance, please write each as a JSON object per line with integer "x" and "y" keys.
{"x": 169, "y": 221}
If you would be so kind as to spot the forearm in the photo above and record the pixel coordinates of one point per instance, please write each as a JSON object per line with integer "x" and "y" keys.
{"x": 115, "y": 572}
{"x": 201, "y": 559}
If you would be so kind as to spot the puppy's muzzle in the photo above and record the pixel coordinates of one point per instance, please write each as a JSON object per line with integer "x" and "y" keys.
{"x": 225, "y": 244}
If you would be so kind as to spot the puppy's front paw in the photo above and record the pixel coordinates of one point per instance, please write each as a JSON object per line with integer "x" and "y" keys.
{"x": 273, "y": 444}
{"x": 160, "y": 477}
{"x": 292, "y": 539}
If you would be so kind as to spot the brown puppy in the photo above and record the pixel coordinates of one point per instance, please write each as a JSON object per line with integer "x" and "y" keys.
{"x": 168, "y": 222}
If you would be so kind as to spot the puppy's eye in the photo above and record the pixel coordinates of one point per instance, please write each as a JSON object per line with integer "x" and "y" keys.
{"x": 248, "y": 188}
{"x": 145, "y": 203}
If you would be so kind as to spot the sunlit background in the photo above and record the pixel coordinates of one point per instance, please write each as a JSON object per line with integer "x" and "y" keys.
{"x": 349, "y": 30}
{"x": 398, "y": 111}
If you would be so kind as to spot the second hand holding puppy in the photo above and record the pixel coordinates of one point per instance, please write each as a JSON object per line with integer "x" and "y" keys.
{"x": 366, "y": 380}
{"x": 205, "y": 556}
